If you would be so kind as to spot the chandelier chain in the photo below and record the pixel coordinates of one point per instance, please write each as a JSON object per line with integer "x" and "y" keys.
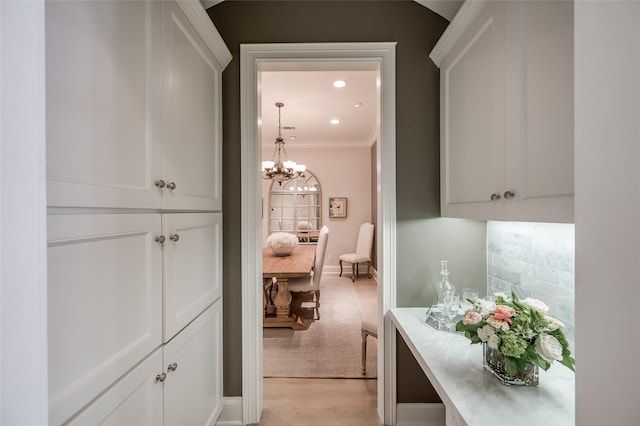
{"x": 277, "y": 169}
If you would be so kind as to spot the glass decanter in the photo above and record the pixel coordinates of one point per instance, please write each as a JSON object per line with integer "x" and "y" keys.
{"x": 443, "y": 285}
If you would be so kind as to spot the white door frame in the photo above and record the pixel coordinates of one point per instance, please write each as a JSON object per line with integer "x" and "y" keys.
{"x": 255, "y": 58}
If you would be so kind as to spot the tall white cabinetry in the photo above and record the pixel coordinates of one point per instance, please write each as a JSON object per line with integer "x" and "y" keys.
{"x": 506, "y": 93}
{"x": 134, "y": 227}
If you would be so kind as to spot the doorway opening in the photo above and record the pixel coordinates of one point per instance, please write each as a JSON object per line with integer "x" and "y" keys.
{"x": 291, "y": 57}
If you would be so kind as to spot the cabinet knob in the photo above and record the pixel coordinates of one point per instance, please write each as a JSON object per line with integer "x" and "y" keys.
{"x": 171, "y": 185}
{"x": 508, "y": 195}
{"x": 174, "y": 237}
{"x": 495, "y": 196}
{"x": 173, "y": 367}
{"x": 160, "y": 183}
{"x": 161, "y": 377}
{"x": 160, "y": 239}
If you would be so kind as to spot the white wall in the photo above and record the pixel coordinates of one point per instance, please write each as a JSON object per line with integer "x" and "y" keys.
{"x": 23, "y": 233}
{"x": 535, "y": 260}
{"x": 342, "y": 172}
{"x": 607, "y": 214}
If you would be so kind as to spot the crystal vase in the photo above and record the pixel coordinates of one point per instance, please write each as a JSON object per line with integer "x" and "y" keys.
{"x": 494, "y": 362}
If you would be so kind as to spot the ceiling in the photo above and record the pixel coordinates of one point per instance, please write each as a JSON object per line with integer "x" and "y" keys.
{"x": 444, "y": 8}
{"x": 311, "y": 101}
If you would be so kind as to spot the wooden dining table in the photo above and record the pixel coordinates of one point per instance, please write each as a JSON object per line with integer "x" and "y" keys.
{"x": 297, "y": 265}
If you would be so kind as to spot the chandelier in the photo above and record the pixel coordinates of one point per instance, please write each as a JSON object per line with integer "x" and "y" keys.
{"x": 280, "y": 169}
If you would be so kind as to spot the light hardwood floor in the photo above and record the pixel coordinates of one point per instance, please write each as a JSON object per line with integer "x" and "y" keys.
{"x": 319, "y": 402}
{"x": 324, "y": 402}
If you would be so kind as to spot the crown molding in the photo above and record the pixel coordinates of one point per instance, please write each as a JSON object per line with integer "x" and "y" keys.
{"x": 198, "y": 17}
{"x": 454, "y": 31}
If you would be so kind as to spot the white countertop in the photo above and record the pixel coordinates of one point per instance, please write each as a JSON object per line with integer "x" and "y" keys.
{"x": 454, "y": 368}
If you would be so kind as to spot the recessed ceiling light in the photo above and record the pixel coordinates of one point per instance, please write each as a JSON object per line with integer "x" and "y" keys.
{"x": 293, "y": 138}
{"x": 339, "y": 83}
{"x": 335, "y": 121}
{"x": 358, "y": 105}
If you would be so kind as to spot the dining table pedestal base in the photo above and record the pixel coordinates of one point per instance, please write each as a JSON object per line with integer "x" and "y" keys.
{"x": 283, "y": 317}
{"x": 293, "y": 321}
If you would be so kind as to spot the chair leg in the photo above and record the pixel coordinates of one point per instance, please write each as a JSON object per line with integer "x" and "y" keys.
{"x": 340, "y": 268}
{"x": 353, "y": 271}
{"x": 369, "y": 268}
{"x": 318, "y": 304}
{"x": 363, "y": 366}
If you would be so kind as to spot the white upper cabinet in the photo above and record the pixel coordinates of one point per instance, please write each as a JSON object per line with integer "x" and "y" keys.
{"x": 507, "y": 111}
{"x": 104, "y": 92}
{"x": 192, "y": 118}
{"x": 133, "y": 106}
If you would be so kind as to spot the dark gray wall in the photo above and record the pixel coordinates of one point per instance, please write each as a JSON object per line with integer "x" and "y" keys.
{"x": 422, "y": 239}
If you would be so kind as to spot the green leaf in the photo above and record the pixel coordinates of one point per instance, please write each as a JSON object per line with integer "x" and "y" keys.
{"x": 520, "y": 363}
{"x": 568, "y": 362}
{"x": 460, "y": 326}
{"x": 510, "y": 366}
{"x": 534, "y": 358}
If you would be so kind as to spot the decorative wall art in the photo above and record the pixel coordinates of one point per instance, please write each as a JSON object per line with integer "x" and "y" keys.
{"x": 338, "y": 207}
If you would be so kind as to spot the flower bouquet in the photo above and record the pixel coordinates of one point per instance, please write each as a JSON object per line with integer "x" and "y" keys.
{"x": 518, "y": 335}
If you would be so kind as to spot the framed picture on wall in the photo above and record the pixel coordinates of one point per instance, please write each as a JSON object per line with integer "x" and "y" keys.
{"x": 338, "y": 207}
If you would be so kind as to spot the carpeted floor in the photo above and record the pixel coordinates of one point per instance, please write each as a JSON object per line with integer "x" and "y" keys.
{"x": 330, "y": 347}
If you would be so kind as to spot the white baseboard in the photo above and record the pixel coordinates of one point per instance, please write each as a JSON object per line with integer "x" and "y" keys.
{"x": 426, "y": 414}
{"x": 231, "y": 414}
{"x": 335, "y": 270}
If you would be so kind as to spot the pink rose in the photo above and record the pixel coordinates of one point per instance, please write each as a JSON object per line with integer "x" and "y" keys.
{"x": 504, "y": 313}
{"x": 471, "y": 317}
{"x": 498, "y": 323}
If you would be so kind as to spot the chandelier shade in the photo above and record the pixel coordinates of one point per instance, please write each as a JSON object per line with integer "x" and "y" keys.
{"x": 280, "y": 169}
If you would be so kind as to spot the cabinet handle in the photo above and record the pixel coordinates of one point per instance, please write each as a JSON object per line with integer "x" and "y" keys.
{"x": 173, "y": 367}
{"x": 508, "y": 195}
{"x": 495, "y": 197}
{"x": 171, "y": 185}
{"x": 174, "y": 237}
{"x": 161, "y": 377}
{"x": 160, "y": 183}
{"x": 160, "y": 239}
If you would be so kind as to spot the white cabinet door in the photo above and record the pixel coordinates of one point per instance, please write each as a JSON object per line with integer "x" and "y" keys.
{"x": 540, "y": 111}
{"x": 136, "y": 399}
{"x": 193, "y": 267}
{"x": 507, "y": 112}
{"x": 192, "y": 126}
{"x": 193, "y": 390}
{"x": 104, "y": 303}
{"x": 104, "y": 85}
{"x": 473, "y": 117}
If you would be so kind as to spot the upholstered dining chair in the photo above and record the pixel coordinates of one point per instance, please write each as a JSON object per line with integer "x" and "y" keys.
{"x": 363, "y": 251}
{"x": 369, "y": 327}
{"x": 312, "y": 285}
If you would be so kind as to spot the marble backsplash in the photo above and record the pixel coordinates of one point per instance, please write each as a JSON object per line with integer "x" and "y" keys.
{"x": 535, "y": 260}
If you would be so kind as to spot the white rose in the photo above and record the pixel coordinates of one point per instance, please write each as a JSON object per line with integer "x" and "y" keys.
{"x": 486, "y": 307}
{"x": 493, "y": 341}
{"x": 554, "y": 323}
{"x": 485, "y": 331}
{"x": 535, "y": 304}
{"x": 548, "y": 348}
